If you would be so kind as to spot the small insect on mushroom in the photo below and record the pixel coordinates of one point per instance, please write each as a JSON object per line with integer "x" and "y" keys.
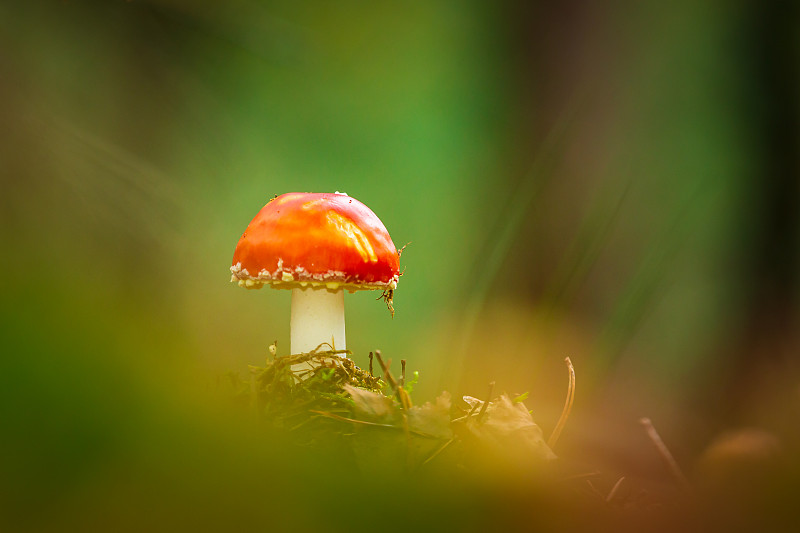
{"x": 387, "y": 296}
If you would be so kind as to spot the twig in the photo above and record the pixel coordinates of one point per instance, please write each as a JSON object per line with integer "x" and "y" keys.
{"x": 330, "y": 345}
{"x": 593, "y": 488}
{"x": 614, "y": 489}
{"x": 374, "y": 424}
{"x": 370, "y": 364}
{"x": 582, "y": 476}
{"x": 402, "y": 372}
{"x": 301, "y": 424}
{"x": 400, "y": 392}
{"x": 665, "y": 454}
{"x": 562, "y": 421}
{"x": 486, "y": 403}
{"x": 340, "y": 364}
{"x": 353, "y": 420}
{"x": 468, "y": 415}
{"x": 439, "y": 450}
{"x": 385, "y": 367}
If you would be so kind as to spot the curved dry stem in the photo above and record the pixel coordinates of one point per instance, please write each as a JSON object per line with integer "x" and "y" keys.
{"x": 666, "y": 455}
{"x": 562, "y": 421}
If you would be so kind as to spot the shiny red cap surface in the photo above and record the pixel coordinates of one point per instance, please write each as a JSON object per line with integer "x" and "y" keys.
{"x": 316, "y": 238}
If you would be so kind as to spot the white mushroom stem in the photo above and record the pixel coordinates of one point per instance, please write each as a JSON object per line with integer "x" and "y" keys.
{"x": 317, "y": 318}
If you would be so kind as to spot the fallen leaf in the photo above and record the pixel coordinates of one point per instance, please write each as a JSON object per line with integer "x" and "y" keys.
{"x": 432, "y": 418}
{"x": 371, "y": 405}
{"x": 507, "y": 428}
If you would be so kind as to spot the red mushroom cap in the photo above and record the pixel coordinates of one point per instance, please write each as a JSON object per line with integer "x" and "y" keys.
{"x": 316, "y": 239}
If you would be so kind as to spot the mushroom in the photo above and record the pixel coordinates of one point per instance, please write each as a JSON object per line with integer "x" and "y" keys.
{"x": 318, "y": 245}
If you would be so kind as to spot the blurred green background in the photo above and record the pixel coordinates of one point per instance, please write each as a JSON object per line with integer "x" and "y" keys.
{"x": 617, "y": 183}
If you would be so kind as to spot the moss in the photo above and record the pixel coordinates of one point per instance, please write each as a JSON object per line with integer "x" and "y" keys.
{"x": 322, "y": 399}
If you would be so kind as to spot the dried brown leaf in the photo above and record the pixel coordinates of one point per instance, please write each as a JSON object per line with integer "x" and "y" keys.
{"x": 507, "y": 428}
{"x": 432, "y": 418}
{"x": 371, "y": 405}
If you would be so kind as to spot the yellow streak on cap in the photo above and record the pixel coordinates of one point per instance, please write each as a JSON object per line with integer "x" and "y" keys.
{"x": 355, "y": 234}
